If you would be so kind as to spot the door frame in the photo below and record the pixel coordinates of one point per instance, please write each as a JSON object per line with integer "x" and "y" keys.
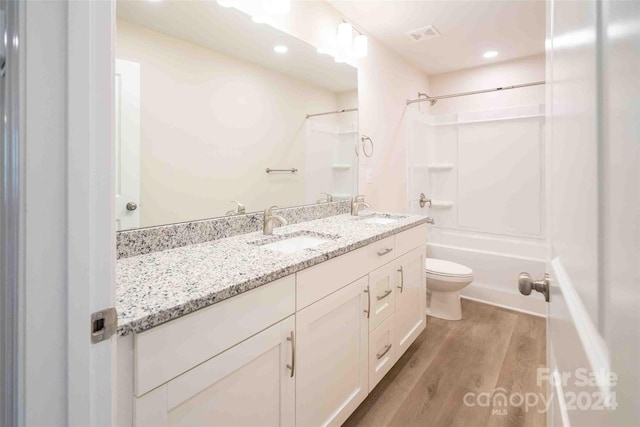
{"x": 91, "y": 209}
{"x": 61, "y": 216}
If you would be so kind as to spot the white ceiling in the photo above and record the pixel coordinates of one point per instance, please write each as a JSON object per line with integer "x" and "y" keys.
{"x": 514, "y": 28}
{"x": 233, "y": 33}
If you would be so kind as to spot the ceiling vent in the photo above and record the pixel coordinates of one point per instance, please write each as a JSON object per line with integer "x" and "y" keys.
{"x": 424, "y": 33}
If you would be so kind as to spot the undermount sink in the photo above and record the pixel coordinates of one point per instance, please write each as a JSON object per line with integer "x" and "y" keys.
{"x": 295, "y": 244}
{"x": 378, "y": 220}
{"x": 381, "y": 219}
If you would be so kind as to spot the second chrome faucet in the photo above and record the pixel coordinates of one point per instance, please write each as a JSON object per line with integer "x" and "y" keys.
{"x": 269, "y": 218}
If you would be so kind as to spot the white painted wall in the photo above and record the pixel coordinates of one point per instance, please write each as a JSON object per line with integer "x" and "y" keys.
{"x": 228, "y": 120}
{"x": 518, "y": 71}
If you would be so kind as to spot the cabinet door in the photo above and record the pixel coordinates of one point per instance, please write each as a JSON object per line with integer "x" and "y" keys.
{"x": 410, "y": 314}
{"x": 382, "y": 285}
{"x": 332, "y": 346}
{"x": 251, "y": 384}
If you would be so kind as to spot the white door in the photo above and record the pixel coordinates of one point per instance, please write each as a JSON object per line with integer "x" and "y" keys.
{"x": 411, "y": 316}
{"x": 332, "y": 351}
{"x": 251, "y": 384}
{"x": 593, "y": 186}
{"x": 127, "y": 144}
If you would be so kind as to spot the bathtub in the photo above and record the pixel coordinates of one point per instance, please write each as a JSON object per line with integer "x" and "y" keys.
{"x": 496, "y": 262}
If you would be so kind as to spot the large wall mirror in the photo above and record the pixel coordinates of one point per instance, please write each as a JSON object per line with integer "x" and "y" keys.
{"x": 212, "y": 108}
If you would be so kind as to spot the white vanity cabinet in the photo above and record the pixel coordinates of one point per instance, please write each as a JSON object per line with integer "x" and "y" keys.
{"x": 250, "y": 384}
{"x": 332, "y": 351}
{"x": 304, "y": 350}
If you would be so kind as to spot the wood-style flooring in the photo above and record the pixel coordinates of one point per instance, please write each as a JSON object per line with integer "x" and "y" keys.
{"x": 489, "y": 348}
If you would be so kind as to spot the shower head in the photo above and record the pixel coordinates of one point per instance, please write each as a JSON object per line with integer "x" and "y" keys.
{"x": 432, "y": 101}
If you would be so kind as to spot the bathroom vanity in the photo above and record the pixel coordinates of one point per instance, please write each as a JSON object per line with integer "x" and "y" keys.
{"x": 291, "y": 329}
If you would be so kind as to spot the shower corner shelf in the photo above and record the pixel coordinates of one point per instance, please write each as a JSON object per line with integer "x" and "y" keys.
{"x": 437, "y": 167}
{"x": 441, "y": 204}
{"x": 341, "y": 167}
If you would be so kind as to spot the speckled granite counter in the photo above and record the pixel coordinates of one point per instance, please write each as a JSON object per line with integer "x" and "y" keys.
{"x": 154, "y": 288}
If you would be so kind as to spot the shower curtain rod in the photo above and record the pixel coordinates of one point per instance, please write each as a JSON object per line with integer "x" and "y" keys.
{"x": 433, "y": 99}
{"x": 346, "y": 110}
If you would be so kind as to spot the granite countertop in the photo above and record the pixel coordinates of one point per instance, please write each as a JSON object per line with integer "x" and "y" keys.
{"x": 157, "y": 287}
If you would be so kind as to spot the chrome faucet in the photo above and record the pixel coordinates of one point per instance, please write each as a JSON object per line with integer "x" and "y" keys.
{"x": 356, "y": 203}
{"x": 240, "y": 209}
{"x": 269, "y": 218}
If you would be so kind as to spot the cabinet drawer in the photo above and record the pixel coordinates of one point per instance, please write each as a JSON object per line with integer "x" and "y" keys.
{"x": 166, "y": 351}
{"x": 381, "y": 252}
{"x": 410, "y": 239}
{"x": 382, "y": 351}
{"x": 382, "y": 290}
{"x": 315, "y": 283}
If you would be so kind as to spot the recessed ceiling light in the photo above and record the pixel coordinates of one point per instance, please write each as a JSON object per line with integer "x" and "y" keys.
{"x": 281, "y": 49}
{"x": 490, "y": 54}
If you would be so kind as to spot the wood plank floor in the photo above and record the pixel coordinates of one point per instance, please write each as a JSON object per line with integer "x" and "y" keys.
{"x": 489, "y": 348}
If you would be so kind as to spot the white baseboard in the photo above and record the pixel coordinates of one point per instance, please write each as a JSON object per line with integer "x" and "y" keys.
{"x": 508, "y": 307}
{"x": 532, "y": 304}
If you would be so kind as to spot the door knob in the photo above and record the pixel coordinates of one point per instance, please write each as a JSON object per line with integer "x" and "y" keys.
{"x": 526, "y": 285}
{"x": 131, "y": 206}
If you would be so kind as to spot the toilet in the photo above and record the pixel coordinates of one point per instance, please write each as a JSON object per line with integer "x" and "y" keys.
{"x": 444, "y": 281}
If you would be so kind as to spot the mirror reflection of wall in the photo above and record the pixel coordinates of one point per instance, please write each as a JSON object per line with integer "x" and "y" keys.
{"x": 216, "y": 106}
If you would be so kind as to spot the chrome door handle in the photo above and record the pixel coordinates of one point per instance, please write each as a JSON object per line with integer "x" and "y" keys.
{"x": 384, "y": 251}
{"x": 526, "y": 285}
{"x": 383, "y": 296}
{"x": 385, "y": 351}
{"x": 131, "y": 206}
{"x": 293, "y": 354}
{"x": 368, "y": 310}
{"x": 401, "y": 287}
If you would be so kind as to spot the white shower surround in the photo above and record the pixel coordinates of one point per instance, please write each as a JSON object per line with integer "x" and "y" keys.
{"x": 485, "y": 171}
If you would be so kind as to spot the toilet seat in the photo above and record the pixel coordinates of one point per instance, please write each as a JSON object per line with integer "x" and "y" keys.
{"x": 442, "y": 268}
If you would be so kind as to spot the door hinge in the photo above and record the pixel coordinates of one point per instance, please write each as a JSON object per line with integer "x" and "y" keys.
{"x": 103, "y": 324}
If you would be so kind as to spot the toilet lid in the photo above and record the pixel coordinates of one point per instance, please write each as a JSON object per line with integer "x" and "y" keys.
{"x": 447, "y": 268}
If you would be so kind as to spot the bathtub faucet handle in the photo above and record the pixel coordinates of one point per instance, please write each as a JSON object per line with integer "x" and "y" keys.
{"x": 423, "y": 200}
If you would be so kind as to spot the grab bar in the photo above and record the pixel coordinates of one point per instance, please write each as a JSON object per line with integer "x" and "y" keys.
{"x": 292, "y": 170}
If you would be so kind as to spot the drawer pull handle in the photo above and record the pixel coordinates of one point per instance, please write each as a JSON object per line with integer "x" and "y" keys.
{"x": 368, "y": 310}
{"x": 384, "y": 251}
{"x": 385, "y": 351}
{"x": 293, "y": 354}
{"x": 383, "y": 296}
{"x": 401, "y": 271}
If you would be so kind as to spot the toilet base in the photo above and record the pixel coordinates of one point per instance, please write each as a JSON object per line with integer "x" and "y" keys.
{"x": 445, "y": 305}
